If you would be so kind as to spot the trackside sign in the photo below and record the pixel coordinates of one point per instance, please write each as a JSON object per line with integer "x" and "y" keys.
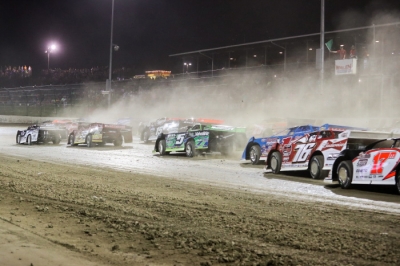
{"x": 345, "y": 66}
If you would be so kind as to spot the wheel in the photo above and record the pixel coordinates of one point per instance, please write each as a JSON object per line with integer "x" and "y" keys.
{"x": 190, "y": 149}
{"x": 57, "y": 140}
{"x": 162, "y": 147}
{"x": 276, "y": 162}
{"x": 118, "y": 142}
{"x": 18, "y": 140}
{"x": 255, "y": 153}
{"x": 398, "y": 181}
{"x": 316, "y": 165}
{"x": 29, "y": 140}
{"x": 89, "y": 141}
{"x": 146, "y": 136}
{"x": 345, "y": 173}
{"x": 72, "y": 140}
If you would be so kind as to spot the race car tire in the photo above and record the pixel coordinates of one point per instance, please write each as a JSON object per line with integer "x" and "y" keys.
{"x": 29, "y": 140}
{"x": 190, "y": 149}
{"x": 276, "y": 162}
{"x": 18, "y": 140}
{"x": 316, "y": 165}
{"x": 398, "y": 180}
{"x": 118, "y": 142}
{"x": 72, "y": 140}
{"x": 146, "y": 136}
{"x": 345, "y": 174}
{"x": 254, "y": 154}
{"x": 57, "y": 140}
{"x": 89, "y": 142}
{"x": 162, "y": 147}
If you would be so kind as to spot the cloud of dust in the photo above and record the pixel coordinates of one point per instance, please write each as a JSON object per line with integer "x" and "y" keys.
{"x": 254, "y": 96}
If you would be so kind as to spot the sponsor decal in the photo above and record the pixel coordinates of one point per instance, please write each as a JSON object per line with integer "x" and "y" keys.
{"x": 203, "y": 133}
{"x": 362, "y": 162}
{"x": 290, "y": 165}
{"x": 336, "y": 145}
{"x": 362, "y": 170}
{"x": 376, "y": 176}
{"x": 364, "y": 156}
{"x": 272, "y": 140}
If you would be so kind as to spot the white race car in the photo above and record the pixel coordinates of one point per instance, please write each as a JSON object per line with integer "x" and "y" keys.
{"x": 377, "y": 164}
{"x": 38, "y": 134}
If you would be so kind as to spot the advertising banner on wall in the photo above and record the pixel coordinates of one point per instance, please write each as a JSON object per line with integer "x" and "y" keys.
{"x": 345, "y": 66}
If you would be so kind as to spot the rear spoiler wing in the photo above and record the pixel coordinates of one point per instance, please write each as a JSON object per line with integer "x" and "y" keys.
{"x": 116, "y": 126}
{"x": 373, "y": 135}
{"x": 358, "y": 139}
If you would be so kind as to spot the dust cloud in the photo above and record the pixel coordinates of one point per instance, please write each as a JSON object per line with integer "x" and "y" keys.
{"x": 244, "y": 97}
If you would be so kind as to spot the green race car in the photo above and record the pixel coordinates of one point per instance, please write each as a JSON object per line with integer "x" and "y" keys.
{"x": 202, "y": 138}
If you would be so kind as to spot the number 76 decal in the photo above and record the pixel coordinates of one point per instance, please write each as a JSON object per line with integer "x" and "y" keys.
{"x": 303, "y": 151}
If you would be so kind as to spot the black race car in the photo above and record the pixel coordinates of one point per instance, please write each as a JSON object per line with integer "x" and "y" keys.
{"x": 100, "y": 134}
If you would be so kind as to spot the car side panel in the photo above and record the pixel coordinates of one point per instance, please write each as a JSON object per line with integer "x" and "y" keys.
{"x": 376, "y": 167}
{"x": 175, "y": 142}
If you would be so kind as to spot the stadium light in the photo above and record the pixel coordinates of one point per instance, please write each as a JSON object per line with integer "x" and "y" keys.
{"x": 50, "y": 49}
{"x": 187, "y": 67}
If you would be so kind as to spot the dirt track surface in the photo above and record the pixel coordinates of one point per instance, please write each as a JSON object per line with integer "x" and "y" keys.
{"x": 130, "y": 207}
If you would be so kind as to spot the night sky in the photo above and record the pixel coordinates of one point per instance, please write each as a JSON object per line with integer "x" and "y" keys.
{"x": 148, "y": 31}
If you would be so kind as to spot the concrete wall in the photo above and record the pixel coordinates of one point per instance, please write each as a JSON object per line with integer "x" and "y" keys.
{"x": 15, "y": 119}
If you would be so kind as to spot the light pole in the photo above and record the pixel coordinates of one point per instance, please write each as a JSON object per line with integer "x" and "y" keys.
{"x": 108, "y": 83}
{"x": 187, "y": 67}
{"x": 284, "y": 55}
{"x": 50, "y": 49}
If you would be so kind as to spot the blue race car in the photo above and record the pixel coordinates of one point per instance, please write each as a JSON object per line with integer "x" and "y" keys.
{"x": 257, "y": 148}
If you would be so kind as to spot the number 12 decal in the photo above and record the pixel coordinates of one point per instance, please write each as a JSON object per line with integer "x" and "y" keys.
{"x": 179, "y": 139}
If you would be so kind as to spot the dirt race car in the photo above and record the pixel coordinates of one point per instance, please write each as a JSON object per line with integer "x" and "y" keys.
{"x": 39, "y": 134}
{"x": 315, "y": 151}
{"x": 257, "y": 148}
{"x": 202, "y": 138}
{"x": 167, "y": 125}
{"x": 68, "y": 125}
{"x": 100, "y": 134}
{"x": 149, "y": 132}
{"x": 377, "y": 164}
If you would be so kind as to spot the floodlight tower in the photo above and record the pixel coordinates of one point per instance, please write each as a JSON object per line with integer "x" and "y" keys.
{"x": 50, "y": 49}
{"x": 108, "y": 83}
